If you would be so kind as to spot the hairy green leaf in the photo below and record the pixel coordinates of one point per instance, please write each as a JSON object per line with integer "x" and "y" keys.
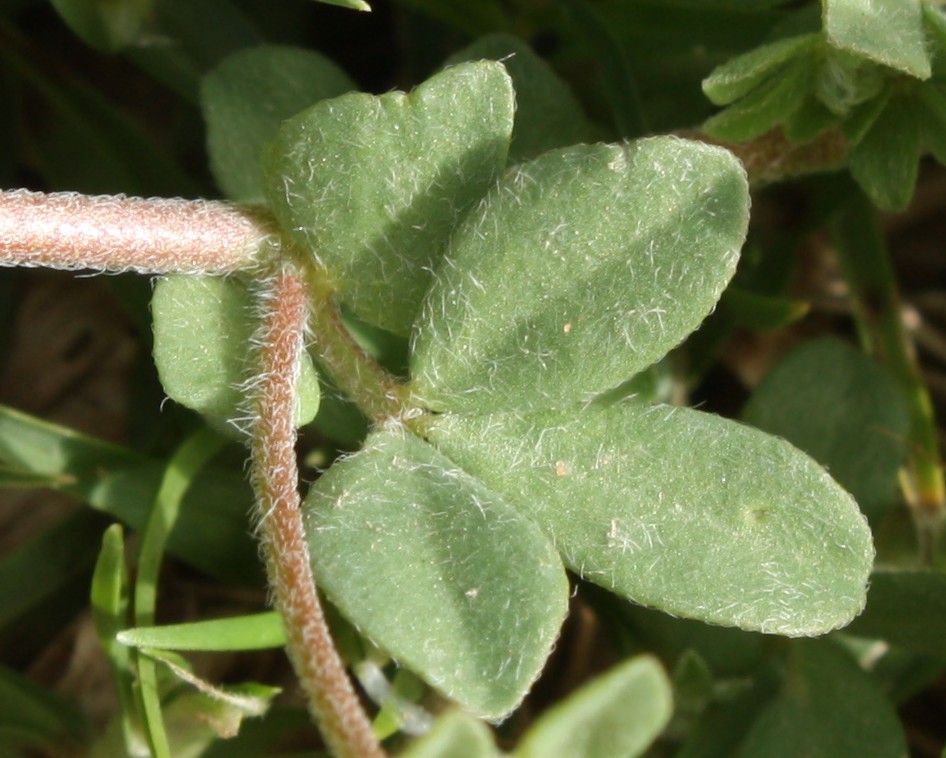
{"x": 211, "y": 374}
{"x": 618, "y": 714}
{"x": 437, "y": 570}
{"x": 886, "y": 31}
{"x": 246, "y": 98}
{"x": 738, "y": 77}
{"x": 374, "y": 186}
{"x": 578, "y": 270}
{"x": 842, "y": 409}
{"x": 679, "y": 510}
{"x": 829, "y": 707}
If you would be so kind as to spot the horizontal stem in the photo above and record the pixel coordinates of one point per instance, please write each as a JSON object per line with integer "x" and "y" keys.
{"x": 67, "y": 230}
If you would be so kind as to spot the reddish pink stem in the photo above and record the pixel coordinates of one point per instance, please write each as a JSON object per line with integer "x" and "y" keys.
{"x": 332, "y": 698}
{"x": 117, "y": 233}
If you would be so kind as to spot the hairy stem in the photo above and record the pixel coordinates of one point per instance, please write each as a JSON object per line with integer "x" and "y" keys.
{"x": 332, "y": 699}
{"x": 378, "y": 394}
{"x": 67, "y": 230}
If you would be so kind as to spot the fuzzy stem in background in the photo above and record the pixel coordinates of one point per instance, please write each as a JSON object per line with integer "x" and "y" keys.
{"x": 877, "y": 308}
{"x": 332, "y": 698}
{"x": 68, "y": 230}
{"x": 378, "y": 394}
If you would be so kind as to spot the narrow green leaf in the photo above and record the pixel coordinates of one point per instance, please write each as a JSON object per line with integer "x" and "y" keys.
{"x": 187, "y": 460}
{"x": 765, "y": 107}
{"x": 374, "y": 186}
{"x": 246, "y": 98}
{"x": 212, "y": 533}
{"x": 887, "y": 31}
{"x": 355, "y": 5}
{"x": 738, "y": 77}
{"x": 454, "y": 735}
{"x": 829, "y": 707}
{"x": 256, "y": 632}
{"x": 437, "y": 570}
{"x": 578, "y": 270}
{"x": 679, "y": 510}
{"x": 618, "y": 715}
{"x": 211, "y": 374}
{"x": 108, "y": 26}
{"x": 842, "y": 409}
{"x": 110, "y": 600}
{"x": 886, "y": 161}
{"x": 548, "y": 115}
{"x": 907, "y": 609}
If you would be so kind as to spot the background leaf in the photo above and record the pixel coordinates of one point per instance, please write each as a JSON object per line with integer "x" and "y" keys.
{"x": 255, "y": 632}
{"x": 580, "y": 269}
{"x": 906, "y": 608}
{"x": 679, "y": 510}
{"x": 454, "y": 735}
{"x": 374, "y": 186}
{"x": 823, "y": 679}
{"x": 246, "y": 98}
{"x": 437, "y": 570}
{"x": 210, "y": 375}
{"x": 618, "y": 714}
{"x": 548, "y": 115}
{"x": 842, "y": 409}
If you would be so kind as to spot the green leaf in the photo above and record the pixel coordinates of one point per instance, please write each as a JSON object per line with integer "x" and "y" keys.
{"x": 110, "y": 602}
{"x": 845, "y": 80}
{"x": 52, "y": 561}
{"x": 255, "y": 632}
{"x": 842, "y": 409}
{"x": 738, "y": 77}
{"x": 907, "y": 609}
{"x": 618, "y": 715}
{"x": 374, "y": 186}
{"x": 679, "y": 510}
{"x": 203, "y": 348}
{"x": 577, "y": 271}
{"x": 886, "y": 160}
{"x": 212, "y": 532}
{"x": 437, "y": 570}
{"x": 829, "y": 707}
{"x": 886, "y": 31}
{"x": 931, "y": 112}
{"x": 454, "y": 735}
{"x": 548, "y": 115}
{"x": 355, "y": 5}
{"x": 765, "y": 107}
{"x": 36, "y": 721}
{"x": 107, "y": 25}
{"x": 190, "y": 456}
{"x": 246, "y": 98}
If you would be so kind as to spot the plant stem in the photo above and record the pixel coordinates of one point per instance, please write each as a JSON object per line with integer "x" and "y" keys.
{"x": 770, "y": 157}
{"x": 378, "y": 394}
{"x": 877, "y": 308}
{"x": 67, "y": 230}
{"x": 332, "y": 699}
